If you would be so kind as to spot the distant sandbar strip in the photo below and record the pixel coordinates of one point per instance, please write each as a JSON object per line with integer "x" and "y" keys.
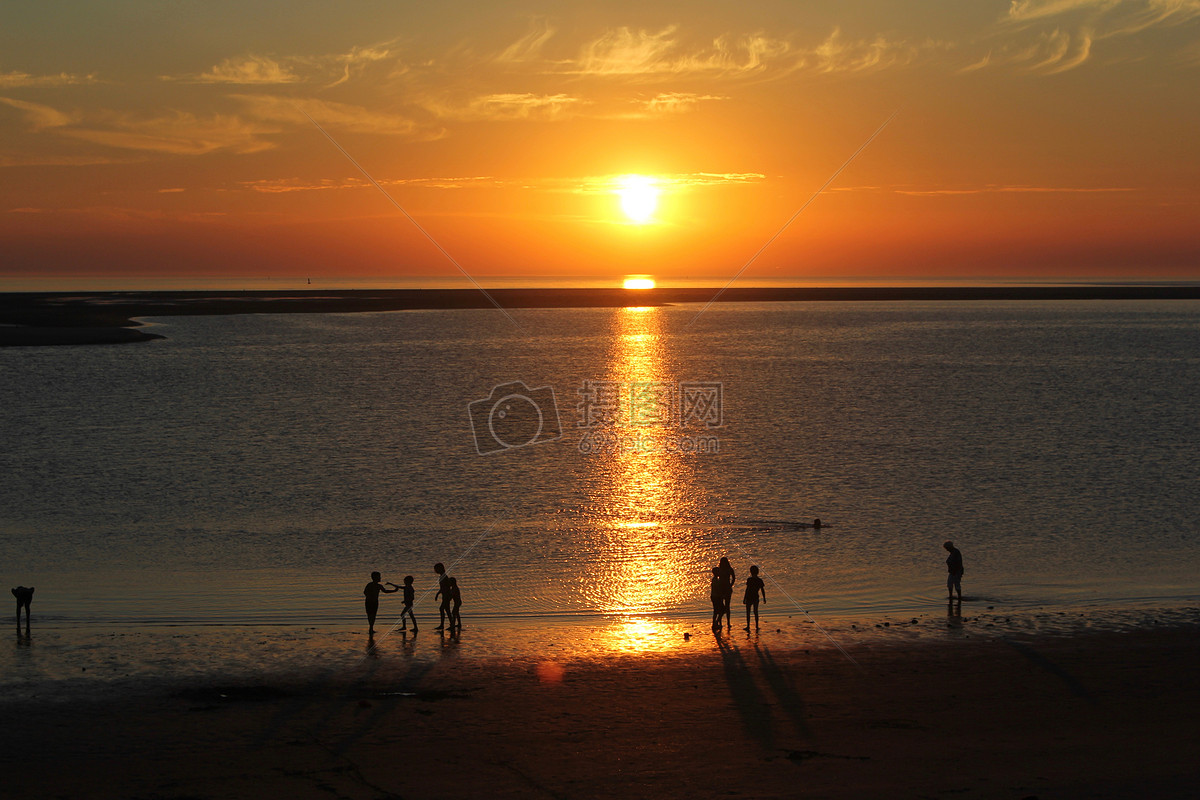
{"x": 60, "y": 318}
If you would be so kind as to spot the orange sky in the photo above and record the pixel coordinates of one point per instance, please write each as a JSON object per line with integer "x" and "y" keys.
{"x": 1038, "y": 139}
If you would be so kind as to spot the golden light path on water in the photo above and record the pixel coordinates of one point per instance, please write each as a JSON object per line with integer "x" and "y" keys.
{"x": 644, "y": 556}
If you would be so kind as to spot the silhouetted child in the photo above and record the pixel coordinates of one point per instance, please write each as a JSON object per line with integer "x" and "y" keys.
{"x": 371, "y": 592}
{"x": 24, "y": 595}
{"x": 456, "y": 601}
{"x": 444, "y": 593}
{"x": 754, "y": 585}
{"x": 409, "y": 596}
{"x": 716, "y": 593}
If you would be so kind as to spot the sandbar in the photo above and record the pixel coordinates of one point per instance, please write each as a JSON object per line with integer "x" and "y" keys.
{"x": 57, "y": 318}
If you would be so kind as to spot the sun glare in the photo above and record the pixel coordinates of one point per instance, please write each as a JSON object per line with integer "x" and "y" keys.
{"x": 639, "y": 282}
{"x": 639, "y": 197}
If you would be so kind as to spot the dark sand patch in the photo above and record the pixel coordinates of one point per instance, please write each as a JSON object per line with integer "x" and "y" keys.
{"x": 974, "y": 718}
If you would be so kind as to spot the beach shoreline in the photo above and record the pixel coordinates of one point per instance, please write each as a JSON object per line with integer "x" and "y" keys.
{"x": 1101, "y": 714}
{"x": 65, "y": 318}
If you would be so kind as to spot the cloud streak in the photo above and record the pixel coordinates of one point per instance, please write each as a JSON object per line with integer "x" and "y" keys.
{"x": 1077, "y": 27}
{"x": 990, "y": 189}
{"x": 248, "y": 70}
{"x": 40, "y": 117}
{"x": 22, "y": 80}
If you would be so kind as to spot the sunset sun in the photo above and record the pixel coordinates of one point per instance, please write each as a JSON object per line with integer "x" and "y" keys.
{"x": 639, "y": 282}
{"x": 639, "y": 197}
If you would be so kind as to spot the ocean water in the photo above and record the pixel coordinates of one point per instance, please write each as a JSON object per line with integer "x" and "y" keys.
{"x": 253, "y": 470}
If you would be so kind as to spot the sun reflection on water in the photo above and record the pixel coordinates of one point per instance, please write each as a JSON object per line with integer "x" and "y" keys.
{"x": 645, "y": 555}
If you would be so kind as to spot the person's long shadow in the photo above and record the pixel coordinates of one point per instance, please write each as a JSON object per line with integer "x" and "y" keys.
{"x": 783, "y": 687}
{"x": 751, "y": 703}
{"x": 315, "y": 695}
{"x": 1070, "y": 681}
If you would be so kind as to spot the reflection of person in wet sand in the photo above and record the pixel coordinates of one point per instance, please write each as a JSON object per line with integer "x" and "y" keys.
{"x": 716, "y": 593}
{"x": 455, "y": 602}
{"x": 954, "y": 569}
{"x": 444, "y": 593}
{"x": 409, "y": 595}
{"x": 371, "y": 592}
{"x": 754, "y": 585}
{"x": 728, "y": 580}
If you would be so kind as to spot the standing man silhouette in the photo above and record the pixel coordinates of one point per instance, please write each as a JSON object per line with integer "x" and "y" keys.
{"x": 728, "y": 579}
{"x": 954, "y": 569}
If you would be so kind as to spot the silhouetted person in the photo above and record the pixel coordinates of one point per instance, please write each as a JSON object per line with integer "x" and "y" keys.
{"x": 954, "y": 569}
{"x": 728, "y": 580}
{"x": 716, "y": 593}
{"x": 754, "y": 585}
{"x": 817, "y": 524}
{"x": 371, "y": 592}
{"x": 409, "y": 596}
{"x": 455, "y": 602}
{"x": 444, "y": 593}
{"x": 24, "y": 595}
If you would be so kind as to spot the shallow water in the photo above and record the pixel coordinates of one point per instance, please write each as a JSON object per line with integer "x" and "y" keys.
{"x": 255, "y": 469}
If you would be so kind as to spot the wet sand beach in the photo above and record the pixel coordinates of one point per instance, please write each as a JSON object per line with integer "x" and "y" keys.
{"x": 1094, "y": 714}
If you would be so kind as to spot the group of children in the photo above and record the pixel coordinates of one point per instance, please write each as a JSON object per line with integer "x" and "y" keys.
{"x": 448, "y": 591}
{"x": 721, "y": 594}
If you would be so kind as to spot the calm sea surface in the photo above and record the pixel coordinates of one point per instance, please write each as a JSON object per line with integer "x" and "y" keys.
{"x": 256, "y": 469}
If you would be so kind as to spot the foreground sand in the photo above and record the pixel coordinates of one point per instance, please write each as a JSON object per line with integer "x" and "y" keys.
{"x": 1094, "y": 715}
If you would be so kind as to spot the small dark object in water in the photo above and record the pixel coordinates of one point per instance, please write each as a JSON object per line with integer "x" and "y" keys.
{"x": 817, "y": 524}
{"x": 687, "y": 636}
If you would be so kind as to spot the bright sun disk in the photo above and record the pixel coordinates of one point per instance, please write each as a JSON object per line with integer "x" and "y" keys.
{"x": 639, "y": 197}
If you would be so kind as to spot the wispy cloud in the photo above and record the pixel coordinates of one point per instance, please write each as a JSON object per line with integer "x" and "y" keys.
{"x": 1053, "y": 36}
{"x": 677, "y": 102}
{"x": 329, "y": 70}
{"x": 286, "y": 185}
{"x": 40, "y": 117}
{"x": 508, "y": 106}
{"x": 606, "y": 184}
{"x": 529, "y": 47}
{"x": 627, "y": 52}
{"x": 837, "y": 54}
{"x": 178, "y": 133}
{"x": 21, "y": 80}
{"x": 991, "y": 188}
{"x": 357, "y": 58}
{"x": 343, "y": 116}
{"x": 248, "y": 70}
{"x": 1119, "y": 16}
